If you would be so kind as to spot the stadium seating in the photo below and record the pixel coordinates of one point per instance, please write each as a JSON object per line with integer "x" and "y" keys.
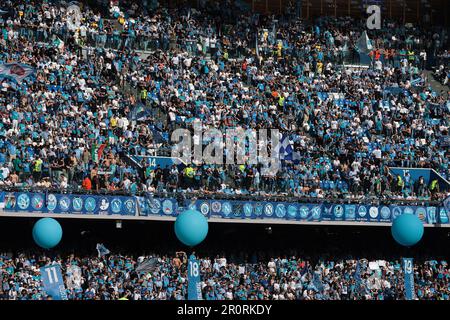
{"x": 85, "y": 104}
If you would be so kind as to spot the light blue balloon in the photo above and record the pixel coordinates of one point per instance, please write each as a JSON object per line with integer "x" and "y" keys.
{"x": 191, "y": 227}
{"x": 47, "y": 233}
{"x": 407, "y": 230}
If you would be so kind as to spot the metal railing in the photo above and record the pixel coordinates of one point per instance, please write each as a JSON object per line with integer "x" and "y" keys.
{"x": 183, "y": 195}
{"x": 119, "y": 40}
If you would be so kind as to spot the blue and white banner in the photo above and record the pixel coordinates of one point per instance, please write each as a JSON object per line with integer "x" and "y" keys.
{"x": 257, "y": 210}
{"x": 194, "y": 286}
{"x": 287, "y": 152}
{"x": 286, "y": 148}
{"x": 53, "y": 282}
{"x": 147, "y": 206}
{"x": 408, "y": 272}
{"x": 417, "y": 82}
{"x": 15, "y": 71}
{"x": 69, "y": 204}
{"x": 226, "y": 209}
{"x": 154, "y": 161}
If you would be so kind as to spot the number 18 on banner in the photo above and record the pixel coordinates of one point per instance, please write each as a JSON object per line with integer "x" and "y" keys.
{"x": 194, "y": 286}
{"x": 53, "y": 282}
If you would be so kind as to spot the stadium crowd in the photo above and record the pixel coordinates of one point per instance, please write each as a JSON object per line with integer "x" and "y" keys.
{"x": 253, "y": 278}
{"x": 70, "y": 125}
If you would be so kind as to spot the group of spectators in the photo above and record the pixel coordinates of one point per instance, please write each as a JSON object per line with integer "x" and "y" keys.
{"x": 290, "y": 277}
{"x": 110, "y": 86}
{"x": 71, "y": 125}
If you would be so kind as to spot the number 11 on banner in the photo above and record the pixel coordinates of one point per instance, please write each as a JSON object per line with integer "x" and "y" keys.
{"x": 51, "y": 274}
{"x": 194, "y": 286}
{"x": 53, "y": 282}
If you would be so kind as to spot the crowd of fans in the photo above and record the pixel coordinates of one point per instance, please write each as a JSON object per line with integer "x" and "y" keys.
{"x": 70, "y": 125}
{"x": 74, "y": 124}
{"x": 253, "y": 278}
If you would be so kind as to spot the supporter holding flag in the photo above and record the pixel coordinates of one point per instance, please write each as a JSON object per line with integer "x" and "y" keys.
{"x": 58, "y": 43}
{"x": 364, "y": 44}
{"x": 102, "y": 250}
{"x": 16, "y": 71}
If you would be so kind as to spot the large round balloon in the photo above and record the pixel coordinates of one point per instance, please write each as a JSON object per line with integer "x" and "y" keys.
{"x": 47, "y": 233}
{"x": 191, "y": 227}
{"x": 407, "y": 230}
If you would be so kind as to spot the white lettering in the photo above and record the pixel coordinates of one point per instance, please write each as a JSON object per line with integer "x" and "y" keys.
{"x": 374, "y": 20}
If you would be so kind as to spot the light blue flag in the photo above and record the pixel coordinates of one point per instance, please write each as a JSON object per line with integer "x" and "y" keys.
{"x": 364, "y": 45}
{"x": 345, "y": 49}
{"x": 317, "y": 281}
{"x": 273, "y": 35}
{"x": 15, "y": 71}
{"x": 317, "y": 30}
{"x": 53, "y": 282}
{"x": 102, "y": 250}
{"x": 58, "y": 43}
{"x": 358, "y": 274}
{"x": 257, "y": 48}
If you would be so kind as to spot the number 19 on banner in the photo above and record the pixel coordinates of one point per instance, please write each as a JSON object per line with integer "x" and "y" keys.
{"x": 408, "y": 272}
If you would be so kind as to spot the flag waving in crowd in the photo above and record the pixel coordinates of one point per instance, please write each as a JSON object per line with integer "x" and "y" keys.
{"x": 59, "y": 44}
{"x": 148, "y": 265}
{"x": 364, "y": 45}
{"x": 357, "y": 276}
{"x": 97, "y": 152}
{"x": 287, "y": 152}
{"x": 286, "y": 149}
{"x": 102, "y": 250}
{"x": 317, "y": 281}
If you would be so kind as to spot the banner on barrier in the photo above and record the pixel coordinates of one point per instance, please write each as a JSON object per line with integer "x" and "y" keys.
{"x": 226, "y": 209}
{"x": 66, "y": 203}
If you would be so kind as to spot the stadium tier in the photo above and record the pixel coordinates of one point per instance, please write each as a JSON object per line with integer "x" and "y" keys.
{"x": 130, "y": 110}
{"x": 291, "y": 278}
{"x": 68, "y": 120}
{"x": 237, "y": 262}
